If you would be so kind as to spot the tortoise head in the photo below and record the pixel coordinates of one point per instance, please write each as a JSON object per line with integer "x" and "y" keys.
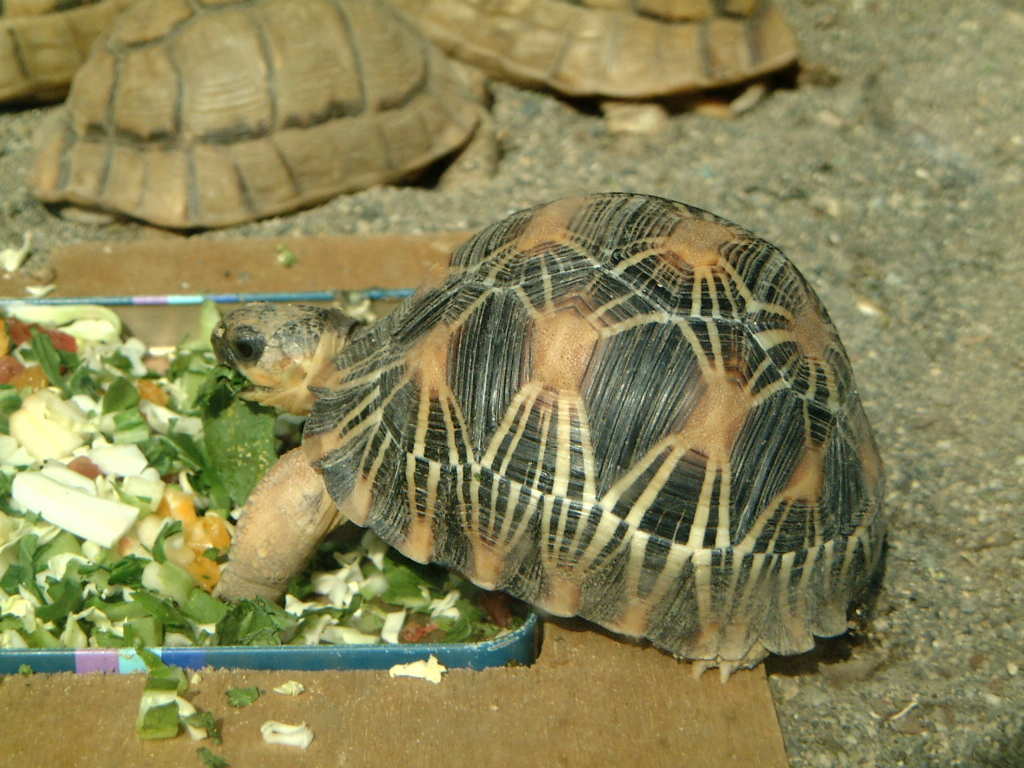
{"x": 282, "y": 349}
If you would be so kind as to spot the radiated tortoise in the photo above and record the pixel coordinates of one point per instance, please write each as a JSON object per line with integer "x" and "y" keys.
{"x": 616, "y": 406}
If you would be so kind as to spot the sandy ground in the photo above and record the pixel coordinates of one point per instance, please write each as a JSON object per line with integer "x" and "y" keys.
{"x": 897, "y": 189}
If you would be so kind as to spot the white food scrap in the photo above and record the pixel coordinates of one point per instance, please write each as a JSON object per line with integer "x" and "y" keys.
{"x": 445, "y": 606}
{"x": 340, "y": 635}
{"x": 393, "y": 623}
{"x": 47, "y": 426}
{"x": 291, "y": 688}
{"x": 274, "y": 732}
{"x": 100, "y": 520}
{"x": 430, "y": 669}
{"x": 121, "y": 460}
{"x": 12, "y": 258}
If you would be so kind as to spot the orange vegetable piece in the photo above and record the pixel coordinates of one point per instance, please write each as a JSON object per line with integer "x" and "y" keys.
{"x": 178, "y": 505}
{"x": 217, "y": 528}
{"x": 30, "y": 378}
{"x": 205, "y": 572}
{"x": 150, "y": 390}
{"x": 9, "y": 368}
{"x": 208, "y": 531}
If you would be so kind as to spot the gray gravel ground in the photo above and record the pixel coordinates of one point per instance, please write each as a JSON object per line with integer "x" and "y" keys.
{"x": 897, "y": 189}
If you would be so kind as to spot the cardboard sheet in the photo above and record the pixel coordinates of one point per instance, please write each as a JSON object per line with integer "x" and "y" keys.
{"x": 591, "y": 699}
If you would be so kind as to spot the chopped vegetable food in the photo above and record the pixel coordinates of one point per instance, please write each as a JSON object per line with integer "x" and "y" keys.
{"x": 211, "y": 760}
{"x": 290, "y": 688}
{"x": 243, "y": 697}
{"x": 274, "y": 732}
{"x": 120, "y": 476}
{"x": 163, "y": 710}
{"x": 429, "y": 669}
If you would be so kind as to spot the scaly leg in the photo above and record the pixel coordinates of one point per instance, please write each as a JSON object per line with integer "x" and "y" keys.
{"x": 288, "y": 513}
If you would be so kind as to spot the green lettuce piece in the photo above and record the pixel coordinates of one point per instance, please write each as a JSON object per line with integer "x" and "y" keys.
{"x": 120, "y": 395}
{"x": 243, "y": 697}
{"x": 83, "y": 381}
{"x": 6, "y": 480}
{"x": 127, "y": 571}
{"x": 168, "y": 580}
{"x": 106, "y": 639}
{"x": 467, "y": 627}
{"x": 256, "y": 622}
{"x": 161, "y": 609}
{"x": 211, "y": 760}
{"x": 115, "y": 611}
{"x": 159, "y": 722}
{"x": 62, "y": 543}
{"x": 10, "y": 400}
{"x": 118, "y": 360}
{"x": 22, "y": 572}
{"x": 203, "y": 607}
{"x": 162, "y": 676}
{"x": 171, "y": 453}
{"x": 404, "y": 587}
{"x": 41, "y": 638}
{"x": 65, "y": 597}
{"x": 206, "y": 721}
{"x": 241, "y": 447}
{"x": 130, "y": 427}
{"x": 369, "y": 622}
{"x": 145, "y": 631}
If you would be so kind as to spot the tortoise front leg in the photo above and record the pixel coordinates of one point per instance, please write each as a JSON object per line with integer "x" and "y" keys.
{"x": 286, "y": 516}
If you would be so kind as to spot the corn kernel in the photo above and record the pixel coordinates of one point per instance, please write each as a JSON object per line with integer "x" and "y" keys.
{"x": 205, "y": 571}
{"x": 178, "y": 505}
{"x": 150, "y": 390}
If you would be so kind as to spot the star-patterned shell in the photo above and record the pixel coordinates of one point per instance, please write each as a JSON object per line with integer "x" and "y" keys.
{"x": 620, "y": 407}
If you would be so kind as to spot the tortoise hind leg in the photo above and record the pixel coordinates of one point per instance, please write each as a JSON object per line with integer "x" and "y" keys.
{"x": 285, "y": 517}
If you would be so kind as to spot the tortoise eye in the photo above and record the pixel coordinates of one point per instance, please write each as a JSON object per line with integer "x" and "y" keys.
{"x": 247, "y": 349}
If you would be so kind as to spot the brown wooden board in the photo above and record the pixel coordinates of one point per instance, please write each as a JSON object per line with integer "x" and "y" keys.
{"x": 590, "y": 699}
{"x": 191, "y": 265}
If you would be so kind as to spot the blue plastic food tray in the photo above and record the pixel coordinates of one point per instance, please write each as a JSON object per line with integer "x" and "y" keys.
{"x": 519, "y": 646}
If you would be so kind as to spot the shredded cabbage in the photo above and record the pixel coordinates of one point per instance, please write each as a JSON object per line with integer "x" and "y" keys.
{"x": 117, "y": 488}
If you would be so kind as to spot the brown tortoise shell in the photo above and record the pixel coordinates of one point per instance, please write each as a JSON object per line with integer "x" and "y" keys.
{"x": 204, "y": 115}
{"x": 620, "y": 407}
{"x": 624, "y": 49}
{"x": 44, "y": 42}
